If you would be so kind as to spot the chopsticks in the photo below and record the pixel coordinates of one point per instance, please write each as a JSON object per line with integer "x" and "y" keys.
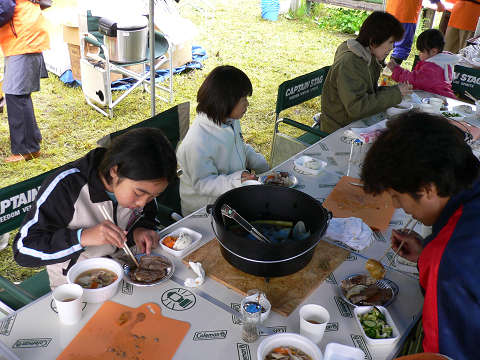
{"x": 125, "y": 247}
{"x": 407, "y": 230}
{"x": 470, "y": 96}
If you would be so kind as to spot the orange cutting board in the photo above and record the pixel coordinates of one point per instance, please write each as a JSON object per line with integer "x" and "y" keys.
{"x": 347, "y": 200}
{"x": 120, "y": 332}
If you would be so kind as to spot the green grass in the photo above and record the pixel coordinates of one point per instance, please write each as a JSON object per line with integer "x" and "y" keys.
{"x": 269, "y": 52}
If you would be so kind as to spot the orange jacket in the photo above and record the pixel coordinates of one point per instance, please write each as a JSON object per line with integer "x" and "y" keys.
{"x": 406, "y": 11}
{"x": 464, "y": 15}
{"x": 30, "y": 29}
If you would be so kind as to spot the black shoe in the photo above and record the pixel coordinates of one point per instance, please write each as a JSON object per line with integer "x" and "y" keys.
{"x": 2, "y": 104}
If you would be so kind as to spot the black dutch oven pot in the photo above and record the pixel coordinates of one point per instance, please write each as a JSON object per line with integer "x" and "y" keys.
{"x": 256, "y": 202}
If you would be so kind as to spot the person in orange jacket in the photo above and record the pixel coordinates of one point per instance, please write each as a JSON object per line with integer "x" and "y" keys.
{"x": 22, "y": 40}
{"x": 407, "y": 11}
{"x": 462, "y": 24}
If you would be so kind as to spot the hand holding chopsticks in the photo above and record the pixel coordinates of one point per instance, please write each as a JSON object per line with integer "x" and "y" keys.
{"x": 125, "y": 247}
{"x": 413, "y": 243}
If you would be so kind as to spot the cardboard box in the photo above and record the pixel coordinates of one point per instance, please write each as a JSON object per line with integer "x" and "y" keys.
{"x": 181, "y": 54}
{"x": 71, "y": 35}
{"x": 74, "y": 52}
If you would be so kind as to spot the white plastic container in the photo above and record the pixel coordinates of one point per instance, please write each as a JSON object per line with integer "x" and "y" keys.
{"x": 101, "y": 294}
{"x": 288, "y": 339}
{"x": 360, "y": 310}
{"x": 302, "y": 162}
{"x": 193, "y": 234}
{"x": 335, "y": 351}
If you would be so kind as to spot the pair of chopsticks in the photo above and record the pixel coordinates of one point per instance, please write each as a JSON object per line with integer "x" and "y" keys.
{"x": 470, "y": 96}
{"x": 125, "y": 247}
{"x": 406, "y": 229}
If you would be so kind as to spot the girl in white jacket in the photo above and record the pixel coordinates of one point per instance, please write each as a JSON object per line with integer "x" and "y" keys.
{"x": 213, "y": 156}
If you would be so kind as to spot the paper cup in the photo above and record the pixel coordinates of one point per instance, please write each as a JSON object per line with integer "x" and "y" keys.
{"x": 68, "y": 300}
{"x": 313, "y": 321}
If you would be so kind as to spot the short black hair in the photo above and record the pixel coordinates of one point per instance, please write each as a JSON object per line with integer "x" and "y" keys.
{"x": 221, "y": 91}
{"x": 430, "y": 39}
{"x": 140, "y": 154}
{"x": 378, "y": 27}
{"x": 418, "y": 149}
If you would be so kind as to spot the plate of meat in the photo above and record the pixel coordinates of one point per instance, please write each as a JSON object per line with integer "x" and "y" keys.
{"x": 279, "y": 178}
{"x": 363, "y": 290}
{"x": 153, "y": 270}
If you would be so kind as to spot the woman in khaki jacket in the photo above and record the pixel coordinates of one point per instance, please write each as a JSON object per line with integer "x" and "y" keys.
{"x": 351, "y": 90}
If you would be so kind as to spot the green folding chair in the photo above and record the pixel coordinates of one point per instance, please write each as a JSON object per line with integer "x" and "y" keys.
{"x": 291, "y": 93}
{"x": 15, "y": 296}
{"x": 174, "y": 123}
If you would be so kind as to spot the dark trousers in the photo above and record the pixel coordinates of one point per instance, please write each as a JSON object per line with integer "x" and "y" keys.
{"x": 25, "y": 135}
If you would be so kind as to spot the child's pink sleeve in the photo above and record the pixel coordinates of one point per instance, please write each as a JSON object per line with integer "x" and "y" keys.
{"x": 418, "y": 77}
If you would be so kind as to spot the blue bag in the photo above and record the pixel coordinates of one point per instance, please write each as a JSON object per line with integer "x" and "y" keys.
{"x": 7, "y": 7}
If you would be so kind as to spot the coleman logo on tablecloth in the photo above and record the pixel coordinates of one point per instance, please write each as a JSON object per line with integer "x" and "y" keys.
{"x": 243, "y": 351}
{"x": 31, "y": 343}
{"x": 275, "y": 330}
{"x": 127, "y": 288}
{"x": 178, "y": 299}
{"x": 331, "y": 279}
{"x": 343, "y": 307}
{"x": 235, "y": 319}
{"x": 351, "y": 257}
{"x": 359, "y": 342}
{"x": 7, "y": 324}
{"x": 333, "y": 326}
{"x": 210, "y": 335}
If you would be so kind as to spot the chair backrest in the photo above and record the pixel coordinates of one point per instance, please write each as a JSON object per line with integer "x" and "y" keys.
{"x": 16, "y": 200}
{"x": 300, "y": 89}
{"x": 174, "y": 123}
{"x": 466, "y": 79}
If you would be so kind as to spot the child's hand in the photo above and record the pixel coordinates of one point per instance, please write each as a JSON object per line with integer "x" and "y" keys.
{"x": 405, "y": 89}
{"x": 104, "y": 233}
{"x": 392, "y": 65}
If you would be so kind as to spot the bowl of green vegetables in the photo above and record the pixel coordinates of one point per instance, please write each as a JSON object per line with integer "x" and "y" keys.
{"x": 376, "y": 325}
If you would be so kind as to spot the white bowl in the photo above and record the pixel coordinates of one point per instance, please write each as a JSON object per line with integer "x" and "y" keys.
{"x": 195, "y": 236}
{"x": 288, "y": 339}
{"x": 360, "y": 310}
{"x": 101, "y": 294}
{"x": 301, "y": 165}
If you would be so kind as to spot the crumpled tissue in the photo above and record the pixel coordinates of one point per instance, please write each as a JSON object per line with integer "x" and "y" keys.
{"x": 197, "y": 269}
{"x": 368, "y": 134}
{"x": 351, "y": 231}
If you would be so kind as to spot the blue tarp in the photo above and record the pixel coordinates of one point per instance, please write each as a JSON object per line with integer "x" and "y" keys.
{"x": 198, "y": 55}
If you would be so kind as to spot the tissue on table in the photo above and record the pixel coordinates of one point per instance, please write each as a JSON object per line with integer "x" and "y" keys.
{"x": 367, "y": 134}
{"x": 351, "y": 231}
{"x": 197, "y": 269}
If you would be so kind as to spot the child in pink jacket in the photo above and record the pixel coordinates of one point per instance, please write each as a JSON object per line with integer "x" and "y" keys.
{"x": 434, "y": 71}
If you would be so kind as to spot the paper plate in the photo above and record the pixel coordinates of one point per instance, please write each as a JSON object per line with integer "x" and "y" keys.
{"x": 304, "y": 163}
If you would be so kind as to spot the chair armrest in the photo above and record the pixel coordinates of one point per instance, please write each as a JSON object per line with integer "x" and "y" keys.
{"x": 303, "y": 127}
{"x": 15, "y": 291}
{"x": 92, "y": 41}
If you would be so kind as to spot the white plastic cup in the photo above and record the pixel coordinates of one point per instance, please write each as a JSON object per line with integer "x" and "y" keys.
{"x": 436, "y": 104}
{"x": 313, "y": 321}
{"x": 68, "y": 300}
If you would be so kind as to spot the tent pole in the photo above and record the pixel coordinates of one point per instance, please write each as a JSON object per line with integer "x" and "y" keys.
{"x": 152, "y": 56}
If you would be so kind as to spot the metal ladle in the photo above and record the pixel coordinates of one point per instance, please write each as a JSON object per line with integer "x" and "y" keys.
{"x": 227, "y": 211}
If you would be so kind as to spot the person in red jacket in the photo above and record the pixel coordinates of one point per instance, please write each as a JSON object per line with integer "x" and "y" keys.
{"x": 429, "y": 170}
{"x": 462, "y": 24}
{"x": 434, "y": 71}
{"x": 22, "y": 41}
{"x": 407, "y": 11}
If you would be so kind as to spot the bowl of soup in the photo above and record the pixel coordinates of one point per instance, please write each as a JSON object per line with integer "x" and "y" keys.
{"x": 99, "y": 278}
{"x": 288, "y": 346}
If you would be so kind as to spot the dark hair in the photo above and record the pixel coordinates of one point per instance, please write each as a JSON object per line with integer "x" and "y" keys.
{"x": 140, "y": 154}
{"x": 430, "y": 39}
{"x": 378, "y": 27}
{"x": 221, "y": 91}
{"x": 418, "y": 149}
